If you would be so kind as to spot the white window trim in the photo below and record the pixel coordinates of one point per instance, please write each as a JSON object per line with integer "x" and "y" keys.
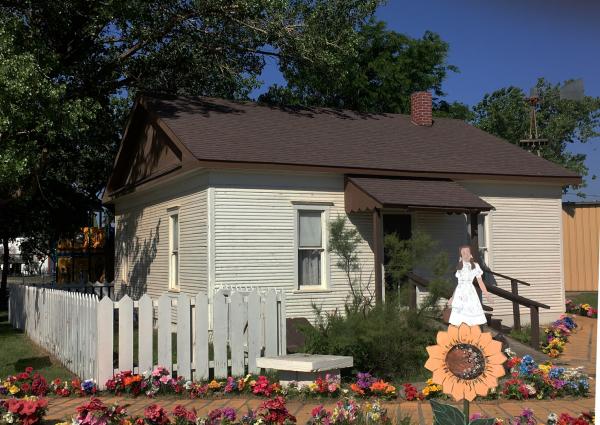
{"x": 487, "y": 228}
{"x": 172, "y": 286}
{"x": 124, "y": 262}
{"x": 325, "y": 260}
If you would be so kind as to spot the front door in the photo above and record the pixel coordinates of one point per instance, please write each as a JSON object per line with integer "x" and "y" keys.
{"x": 401, "y": 225}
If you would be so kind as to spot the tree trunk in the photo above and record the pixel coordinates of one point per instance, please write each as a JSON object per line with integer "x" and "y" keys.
{"x": 4, "y": 282}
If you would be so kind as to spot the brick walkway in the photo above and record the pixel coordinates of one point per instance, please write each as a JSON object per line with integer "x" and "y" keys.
{"x": 420, "y": 412}
{"x": 581, "y": 348}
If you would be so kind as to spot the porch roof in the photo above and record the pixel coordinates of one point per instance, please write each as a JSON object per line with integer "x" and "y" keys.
{"x": 369, "y": 193}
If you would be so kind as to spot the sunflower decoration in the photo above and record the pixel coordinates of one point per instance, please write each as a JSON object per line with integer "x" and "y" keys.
{"x": 466, "y": 361}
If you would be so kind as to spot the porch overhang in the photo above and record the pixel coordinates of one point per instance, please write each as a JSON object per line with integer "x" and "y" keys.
{"x": 372, "y": 193}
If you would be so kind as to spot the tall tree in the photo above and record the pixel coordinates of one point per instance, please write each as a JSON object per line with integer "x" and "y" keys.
{"x": 68, "y": 69}
{"x": 505, "y": 113}
{"x": 378, "y": 75}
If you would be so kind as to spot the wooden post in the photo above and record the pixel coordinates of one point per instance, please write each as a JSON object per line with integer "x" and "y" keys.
{"x": 514, "y": 287}
{"x": 412, "y": 295}
{"x": 474, "y": 235}
{"x": 378, "y": 254}
{"x": 535, "y": 326}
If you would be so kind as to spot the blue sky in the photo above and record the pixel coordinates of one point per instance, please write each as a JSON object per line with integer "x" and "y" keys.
{"x": 510, "y": 42}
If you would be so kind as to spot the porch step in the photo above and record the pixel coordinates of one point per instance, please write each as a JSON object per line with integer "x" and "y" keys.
{"x": 494, "y": 323}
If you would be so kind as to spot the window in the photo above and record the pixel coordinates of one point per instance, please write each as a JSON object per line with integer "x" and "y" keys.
{"x": 174, "y": 251}
{"x": 124, "y": 262}
{"x": 311, "y": 248}
{"x": 482, "y": 235}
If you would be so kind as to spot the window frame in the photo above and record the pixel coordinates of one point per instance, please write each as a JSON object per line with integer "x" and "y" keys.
{"x": 486, "y": 227}
{"x": 124, "y": 262}
{"x": 174, "y": 284}
{"x": 325, "y": 261}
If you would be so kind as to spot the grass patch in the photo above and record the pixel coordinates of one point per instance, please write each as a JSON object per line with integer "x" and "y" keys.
{"x": 590, "y": 298}
{"x": 523, "y": 335}
{"x": 18, "y": 352}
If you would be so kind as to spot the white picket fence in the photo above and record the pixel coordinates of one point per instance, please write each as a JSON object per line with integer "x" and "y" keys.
{"x": 80, "y": 330}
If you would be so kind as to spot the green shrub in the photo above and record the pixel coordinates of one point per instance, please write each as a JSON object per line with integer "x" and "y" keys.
{"x": 388, "y": 340}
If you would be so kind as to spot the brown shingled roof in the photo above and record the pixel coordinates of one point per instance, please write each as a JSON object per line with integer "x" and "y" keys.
{"x": 417, "y": 194}
{"x": 246, "y": 132}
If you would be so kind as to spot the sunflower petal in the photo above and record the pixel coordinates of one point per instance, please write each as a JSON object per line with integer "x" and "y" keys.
{"x": 436, "y": 352}
{"x": 470, "y": 391}
{"x": 481, "y": 388}
{"x": 475, "y": 334}
{"x": 433, "y": 364}
{"x": 464, "y": 333}
{"x": 453, "y": 334}
{"x": 497, "y": 358}
{"x": 489, "y": 380}
{"x": 442, "y": 339}
{"x": 458, "y": 390}
{"x": 448, "y": 384}
{"x": 484, "y": 340}
{"x": 440, "y": 376}
{"x": 495, "y": 370}
{"x": 493, "y": 347}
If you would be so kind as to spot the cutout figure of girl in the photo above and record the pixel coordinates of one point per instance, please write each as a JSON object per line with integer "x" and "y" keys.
{"x": 465, "y": 303}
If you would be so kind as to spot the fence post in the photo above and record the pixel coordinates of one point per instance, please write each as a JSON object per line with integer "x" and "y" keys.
{"x": 220, "y": 334}
{"x": 104, "y": 332}
{"x": 514, "y": 287}
{"x": 271, "y": 331}
{"x": 125, "y": 333}
{"x": 145, "y": 334}
{"x": 184, "y": 336}
{"x": 201, "y": 338}
{"x": 535, "y": 326}
{"x": 255, "y": 331}
{"x": 165, "y": 355}
{"x": 237, "y": 321}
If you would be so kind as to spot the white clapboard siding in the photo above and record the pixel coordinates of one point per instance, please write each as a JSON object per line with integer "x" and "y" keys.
{"x": 79, "y": 330}
{"x": 142, "y": 237}
{"x": 526, "y": 243}
{"x": 254, "y": 233}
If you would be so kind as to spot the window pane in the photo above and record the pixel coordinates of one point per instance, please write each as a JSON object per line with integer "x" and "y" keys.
{"x": 309, "y": 223}
{"x": 175, "y": 232}
{"x": 481, "y": 230}
{"x": 174, "y": 271}
{"x": 309, "y": 267}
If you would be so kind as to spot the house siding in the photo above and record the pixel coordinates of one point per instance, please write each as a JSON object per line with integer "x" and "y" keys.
{"x": 142, "y": 225}
{"x": 526, "y": 243}
{"x": 254, "y": 234}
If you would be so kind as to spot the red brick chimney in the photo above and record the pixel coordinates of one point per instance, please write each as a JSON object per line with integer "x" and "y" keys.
{"x": 420, "y": 108}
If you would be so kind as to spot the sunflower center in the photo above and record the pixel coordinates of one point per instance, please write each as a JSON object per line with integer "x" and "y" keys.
{"x": 465, "y": 361}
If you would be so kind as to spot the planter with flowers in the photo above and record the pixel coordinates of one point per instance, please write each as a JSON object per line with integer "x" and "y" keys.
{"x": 29, "y": 410}
{"x": 557, "y": 335}
{"x": 581, "y": 309}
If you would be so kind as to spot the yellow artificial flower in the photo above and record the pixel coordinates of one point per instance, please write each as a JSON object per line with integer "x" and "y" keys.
{"x": 214, "y": 385}
{"x": 6, "y": 384}
{"x": 426, "y": 391}
{"x": 545, "y": 368}
{"x": 13, "y": 389}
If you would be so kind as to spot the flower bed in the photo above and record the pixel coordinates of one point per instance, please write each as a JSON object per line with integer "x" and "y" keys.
{"x": 526, "y": 418}
{"x": 527, "y": 380}
{"x": 541, "y": 381}
{"x": 274, "y": 412}
{"x": 31, "y": 383}
{"x": 557, "y": 335}
{"x": 29, "y": 410}
{"x": 582, "y": 309}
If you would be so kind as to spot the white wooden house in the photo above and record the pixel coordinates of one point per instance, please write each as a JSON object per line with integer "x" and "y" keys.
{"x": 209, "y": 192}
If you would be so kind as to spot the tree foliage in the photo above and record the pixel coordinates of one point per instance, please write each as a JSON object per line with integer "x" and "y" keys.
{"x": 377, "y": 75}
{"x": 505, "y": 113}
{"x": 69, "y": 69}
